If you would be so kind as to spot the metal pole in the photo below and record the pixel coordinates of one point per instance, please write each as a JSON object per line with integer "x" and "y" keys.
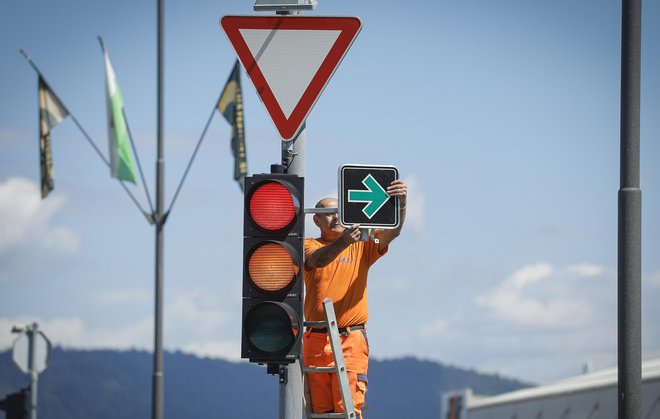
{"x": 32, "y": 368}
{"x": 159, "y": 219}
{"x": 630, "y": 214}
{"x": 291, "y": 390}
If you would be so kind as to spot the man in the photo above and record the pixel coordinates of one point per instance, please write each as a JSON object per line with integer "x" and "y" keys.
{"x": 336, "y": 266}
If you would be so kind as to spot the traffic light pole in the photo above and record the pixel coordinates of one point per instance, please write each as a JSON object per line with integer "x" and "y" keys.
{"x": 293, "y": 159}
{"x": 291, "y": 382}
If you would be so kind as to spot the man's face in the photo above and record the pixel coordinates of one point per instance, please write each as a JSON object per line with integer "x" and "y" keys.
{"x": 328, "y": 223}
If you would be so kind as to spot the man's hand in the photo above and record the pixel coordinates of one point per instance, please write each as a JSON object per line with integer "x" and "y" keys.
{"x": 399, "y": 189}
{"x": 350, "y": 235}
{"x": 326, "y": 254}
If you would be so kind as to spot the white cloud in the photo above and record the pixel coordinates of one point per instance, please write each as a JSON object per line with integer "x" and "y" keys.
{"x": 540, "y": 323}
{"x": 524, "y": 299}
{"x": 225, "y": 349}
{"x": 433, "y": 329}
{"x": 196, "y": 313}
{"x": 193, "y": 322}
{"x": 653, "y": 279}
{"x": 60, "y": 331}
{"x": 122, "y": 296}
{"x": 528, "y": 275}
{"x": 74, "y": 333}
{"x": 26, "y": 235}
{"x": 585, "y": 269}
{"x": 416, "y": 205}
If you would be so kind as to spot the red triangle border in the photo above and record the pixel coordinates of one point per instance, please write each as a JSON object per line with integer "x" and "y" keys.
{"x": 349, "y": 27}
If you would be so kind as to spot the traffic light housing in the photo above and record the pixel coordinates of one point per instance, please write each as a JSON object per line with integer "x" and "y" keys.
{"x": 273, "y": 247}
{"x": 15, "y": 404}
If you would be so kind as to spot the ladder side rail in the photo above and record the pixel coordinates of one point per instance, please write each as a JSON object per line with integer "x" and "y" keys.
{"x": 338, "y": 354}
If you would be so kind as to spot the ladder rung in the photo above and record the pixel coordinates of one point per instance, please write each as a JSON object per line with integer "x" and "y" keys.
{"x": 320, "y": 369}
{"x": 317, "y": 323}
{"x": 330, "y": 415}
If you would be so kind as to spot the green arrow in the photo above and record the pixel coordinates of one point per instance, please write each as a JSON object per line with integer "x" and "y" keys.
{"x": 375, "y": 196}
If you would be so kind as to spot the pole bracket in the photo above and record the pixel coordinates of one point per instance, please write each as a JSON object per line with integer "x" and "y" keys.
{"x": 281, "y": 370}
{"x": 283, "y": 5}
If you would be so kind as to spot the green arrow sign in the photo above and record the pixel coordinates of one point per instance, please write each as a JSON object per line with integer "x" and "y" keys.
{"x": 375, "y": 196}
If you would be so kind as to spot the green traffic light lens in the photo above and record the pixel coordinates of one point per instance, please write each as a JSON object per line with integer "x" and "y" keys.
{"x": 271, "y": 327}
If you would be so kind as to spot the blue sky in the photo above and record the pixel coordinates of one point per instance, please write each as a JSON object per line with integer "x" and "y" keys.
{"x": 503, "y": 117}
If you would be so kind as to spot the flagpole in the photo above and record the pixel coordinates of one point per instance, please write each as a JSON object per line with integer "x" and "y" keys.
{"x": 84, "y": 133}
{"x": 192, "y": 158}
{"x": 137, "y": 160}
{"x": 159, "y": 219}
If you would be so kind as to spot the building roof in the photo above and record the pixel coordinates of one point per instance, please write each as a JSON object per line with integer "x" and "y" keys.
{"x": 589, "y": 381}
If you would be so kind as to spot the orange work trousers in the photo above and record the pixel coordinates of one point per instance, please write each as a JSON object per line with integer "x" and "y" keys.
{"x": 324, "y": 387}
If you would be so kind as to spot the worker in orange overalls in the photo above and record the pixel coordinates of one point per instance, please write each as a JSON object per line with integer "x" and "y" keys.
{"x": 336, "y": 266}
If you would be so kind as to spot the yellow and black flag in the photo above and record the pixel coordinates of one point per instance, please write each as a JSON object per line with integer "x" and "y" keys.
{"x": 51, "y": 113}
{"x": 230, "y": 105}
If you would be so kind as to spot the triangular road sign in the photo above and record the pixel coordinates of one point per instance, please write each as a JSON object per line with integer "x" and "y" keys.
{"x": 290, "y": 59}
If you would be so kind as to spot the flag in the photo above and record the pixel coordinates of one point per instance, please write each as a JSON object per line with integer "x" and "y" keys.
{"x": 230, "y": 105}
{"x": 121, "y": 156}
{"x": 51, "y": 113}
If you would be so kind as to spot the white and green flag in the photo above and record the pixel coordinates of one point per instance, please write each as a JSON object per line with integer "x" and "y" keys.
{"x": 121, "y": 156}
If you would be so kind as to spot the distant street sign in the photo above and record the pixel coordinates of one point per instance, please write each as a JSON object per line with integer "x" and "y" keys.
{"x": 363, "y": 198}
{"x": 21, "y": 352}
{"x": 290, "y": 60}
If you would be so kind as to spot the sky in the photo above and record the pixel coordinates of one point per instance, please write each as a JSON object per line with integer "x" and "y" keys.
{"x": 502, "y": 117}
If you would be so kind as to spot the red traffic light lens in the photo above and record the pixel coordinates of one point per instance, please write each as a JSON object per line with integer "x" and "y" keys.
{"x": 273, "y": 206}
{"x": 272, "y": 266}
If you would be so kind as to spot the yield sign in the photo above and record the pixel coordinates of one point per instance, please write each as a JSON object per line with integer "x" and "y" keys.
{"x": 290, "y": 60}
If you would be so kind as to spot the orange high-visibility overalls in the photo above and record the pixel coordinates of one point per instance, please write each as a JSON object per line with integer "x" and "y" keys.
{"x": 344, "y": 280}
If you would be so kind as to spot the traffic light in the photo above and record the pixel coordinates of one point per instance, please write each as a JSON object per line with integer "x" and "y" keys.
{"x": 15, "y": 404}
{"x": 274, "y": 225}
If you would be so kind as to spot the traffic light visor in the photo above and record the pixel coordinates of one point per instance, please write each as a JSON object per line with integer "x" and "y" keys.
{"x": 273, "y": 205}
{"x": 271, "y": 327}
{"x": 272, "y": 266}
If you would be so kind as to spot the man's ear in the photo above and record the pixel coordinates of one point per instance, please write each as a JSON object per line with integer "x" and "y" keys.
{"x": 316, "y": 220}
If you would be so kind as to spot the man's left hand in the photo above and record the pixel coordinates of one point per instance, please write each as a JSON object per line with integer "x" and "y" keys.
{"x": 399, "y": 189}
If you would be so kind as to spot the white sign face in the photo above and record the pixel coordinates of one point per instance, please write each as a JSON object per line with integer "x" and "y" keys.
{"x": 290, "y": 59}
{"x": 305, "y": 49}
{"x": 21, "y": 352}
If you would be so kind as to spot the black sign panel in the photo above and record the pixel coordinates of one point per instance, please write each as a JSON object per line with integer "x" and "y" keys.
{"x": 363, "y": 198}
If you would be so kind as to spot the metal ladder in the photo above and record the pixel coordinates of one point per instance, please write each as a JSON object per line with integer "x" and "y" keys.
{"x": 340, "y": 367}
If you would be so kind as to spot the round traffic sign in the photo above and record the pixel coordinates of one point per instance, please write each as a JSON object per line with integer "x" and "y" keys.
{"x": 21, "y": 352}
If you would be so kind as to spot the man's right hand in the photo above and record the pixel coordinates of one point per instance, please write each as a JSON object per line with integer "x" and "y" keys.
{"x": 350, "y": 235}
{"x": 326, "y": 254}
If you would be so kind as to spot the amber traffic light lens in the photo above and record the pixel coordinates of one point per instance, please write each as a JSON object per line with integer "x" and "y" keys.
{"x": 272, "y": 267}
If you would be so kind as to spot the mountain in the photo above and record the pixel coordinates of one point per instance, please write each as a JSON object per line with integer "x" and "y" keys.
{"x": 105, "y": 384}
